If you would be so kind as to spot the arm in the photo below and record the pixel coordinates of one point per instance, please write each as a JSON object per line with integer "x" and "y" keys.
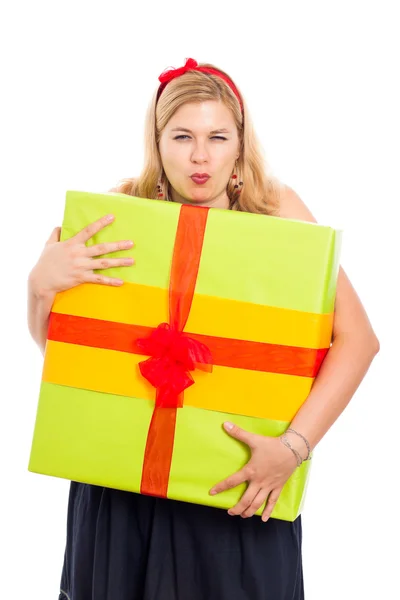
{"x": 353, "y": 348}
{"x": 39, "y": 303}
{"x": 39, "y": 308}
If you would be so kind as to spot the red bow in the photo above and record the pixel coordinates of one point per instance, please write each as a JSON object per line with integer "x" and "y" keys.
{"x": 171, "y": 73}
{"x": 172, "y": 355}
{"x": 191, "y": 64}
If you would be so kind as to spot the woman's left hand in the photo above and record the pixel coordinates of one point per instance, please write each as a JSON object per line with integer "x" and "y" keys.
{"x": 267, "y": 471}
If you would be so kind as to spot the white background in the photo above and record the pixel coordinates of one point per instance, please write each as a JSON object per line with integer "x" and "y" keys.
{"x": 320, "y": 79}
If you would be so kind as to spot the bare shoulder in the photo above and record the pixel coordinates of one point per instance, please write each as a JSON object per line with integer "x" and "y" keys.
{"x": 350, "y": 315}
{"x": 291, "y": 206}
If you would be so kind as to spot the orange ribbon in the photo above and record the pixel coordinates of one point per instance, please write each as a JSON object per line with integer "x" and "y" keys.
{"x": 179, "y": 354}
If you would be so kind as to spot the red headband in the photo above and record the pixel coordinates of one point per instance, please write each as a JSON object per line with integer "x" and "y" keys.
{"x": 192, "y": 65}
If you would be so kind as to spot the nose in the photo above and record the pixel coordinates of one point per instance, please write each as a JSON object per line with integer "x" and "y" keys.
{"x": 199, "y": 153}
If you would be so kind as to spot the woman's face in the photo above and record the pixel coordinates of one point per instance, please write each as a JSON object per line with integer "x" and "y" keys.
{"x": 201, "y": 138}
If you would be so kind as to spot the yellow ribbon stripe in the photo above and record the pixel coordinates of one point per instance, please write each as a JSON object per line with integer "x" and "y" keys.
{"x": 237, "y": 391}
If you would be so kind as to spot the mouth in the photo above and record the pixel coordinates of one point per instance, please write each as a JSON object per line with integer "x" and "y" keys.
{"x": 200, "y": 178}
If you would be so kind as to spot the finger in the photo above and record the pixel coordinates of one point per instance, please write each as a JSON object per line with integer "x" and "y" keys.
{"x": 269, "y": 507}
{"x": 246, "y": 500}
{"x": 55, "y": 236}
{"x": 108, "y": 263}
{"x": 107, "y": 248}
{"x": 258, "y": 501}
{"x": 239, "y": 434}
{"x": 90, "y": 277}
{"x": 230, "y": 482}
{"x": 90, "y": 230}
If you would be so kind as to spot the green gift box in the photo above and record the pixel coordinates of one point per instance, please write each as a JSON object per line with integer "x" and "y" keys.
{"x": 224, "y": 316}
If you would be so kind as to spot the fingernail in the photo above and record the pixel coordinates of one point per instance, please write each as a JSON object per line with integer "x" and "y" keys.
{"x": 230, "y": 513}
{"x": 213, "y": 492}
{"x": 109, "y": 217}
{"x": 228, "y": 425}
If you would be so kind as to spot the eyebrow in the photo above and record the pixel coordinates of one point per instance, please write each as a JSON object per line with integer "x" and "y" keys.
{"x": 189, "y": 131}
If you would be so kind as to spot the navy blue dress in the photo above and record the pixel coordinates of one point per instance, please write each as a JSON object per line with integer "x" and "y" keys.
{"x": 125, "y": 546}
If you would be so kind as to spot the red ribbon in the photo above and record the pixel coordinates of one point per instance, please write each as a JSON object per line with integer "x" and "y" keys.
{"x": 225, "y": 352}
{"x": 170, "y": 73}
{"x": 172, "y": 357}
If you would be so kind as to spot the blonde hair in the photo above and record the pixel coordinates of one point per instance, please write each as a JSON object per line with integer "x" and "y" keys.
{"x": 260, "y": 191}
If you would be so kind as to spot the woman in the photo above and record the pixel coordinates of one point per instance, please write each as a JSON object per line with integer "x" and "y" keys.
{"x": 200, "y": 149}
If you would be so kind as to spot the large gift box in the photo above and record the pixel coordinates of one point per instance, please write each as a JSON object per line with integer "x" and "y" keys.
{"x": 224, "y": 316}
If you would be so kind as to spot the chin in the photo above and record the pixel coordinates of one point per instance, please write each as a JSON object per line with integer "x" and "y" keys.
{"x": 195, "y": 195}
{"x": 199, "y": 195}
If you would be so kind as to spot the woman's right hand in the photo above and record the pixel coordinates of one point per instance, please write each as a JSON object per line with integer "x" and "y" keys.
{"x": 64, "y": 265}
